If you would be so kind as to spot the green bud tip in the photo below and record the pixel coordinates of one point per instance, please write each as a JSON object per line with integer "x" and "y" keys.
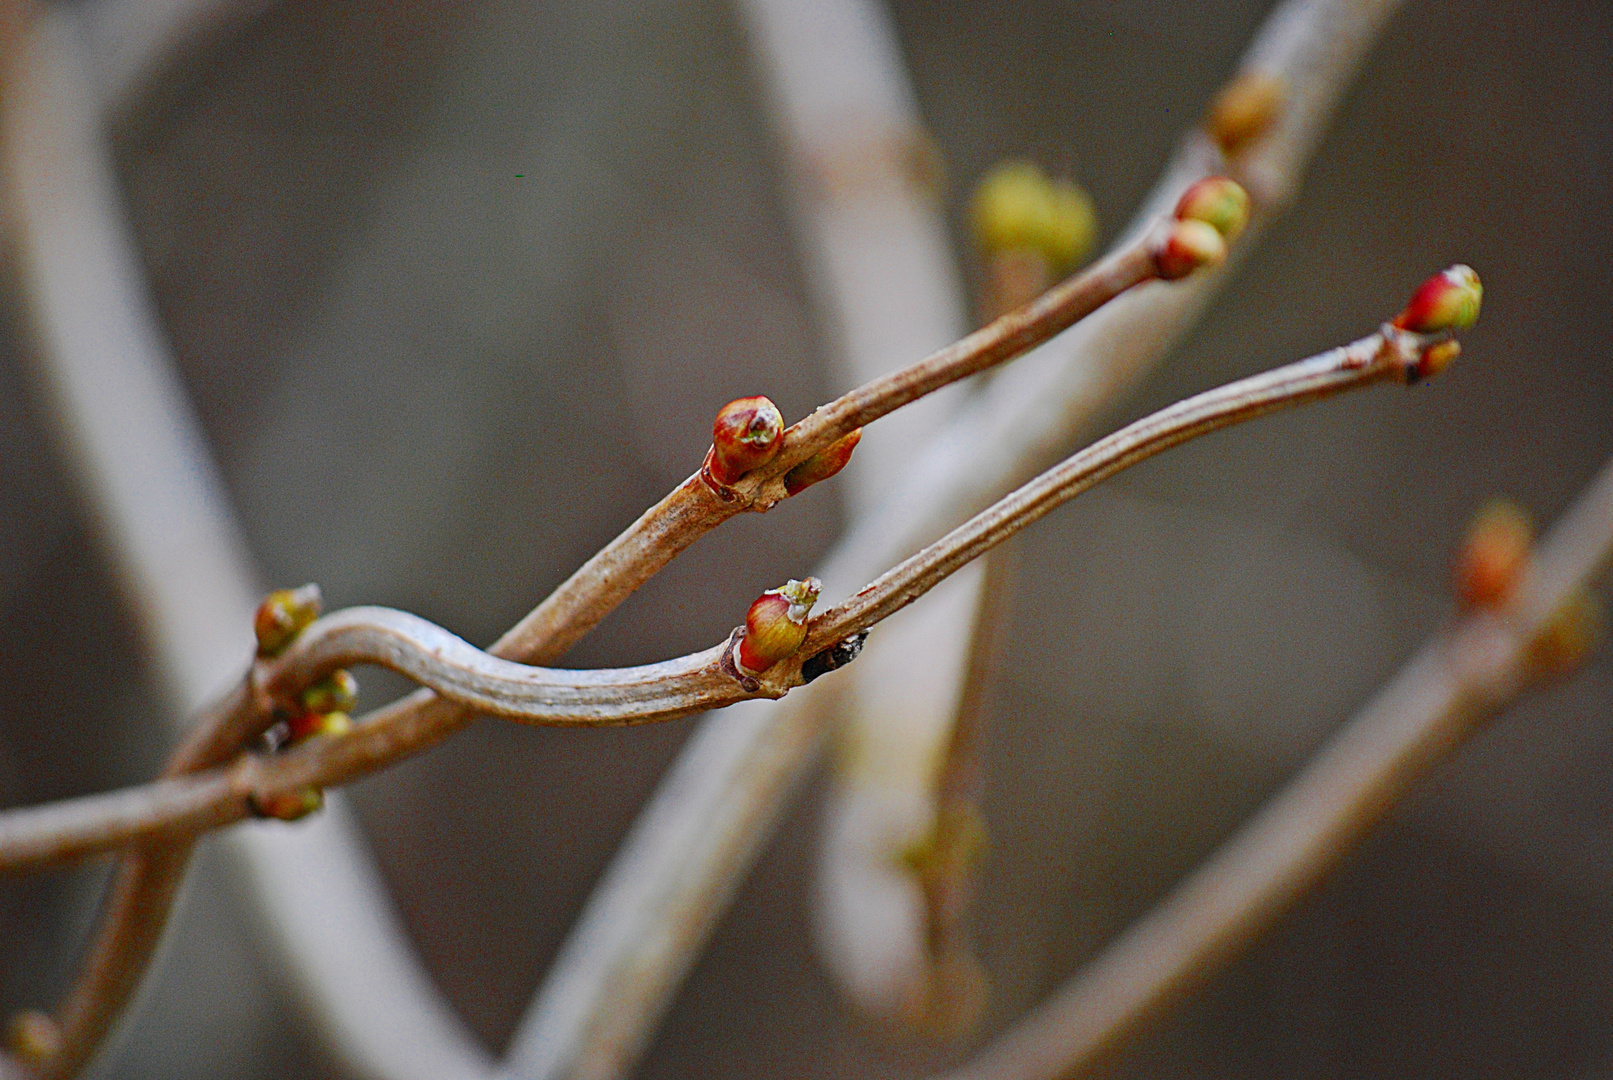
{"x": 283, "y": 615}
{"x": 776, "y": 625}
{"x": 1449, "y": 300}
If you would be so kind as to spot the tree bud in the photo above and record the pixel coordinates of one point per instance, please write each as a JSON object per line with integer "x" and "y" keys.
{"x": 822, "y": 465}
{"x": 1216, "y": 201}
{"x": 1490, "y": 563}
{"x": 336, "y": 692}
{"x": 33, "y": 1037}
{"x": 1447, "y": 301}
{"x": 746, "y": 436}
{"x": 1245, "y": 109}
{"x": 1186, "y": 246}
{"x": 1434, "y": 359}
{"x": 776, "y": 625}
{"x": 283, "y": 615}
{"x": 1016, "y": 207}
{"x": 288, "y": 806}
{"x": 307, "y": 725}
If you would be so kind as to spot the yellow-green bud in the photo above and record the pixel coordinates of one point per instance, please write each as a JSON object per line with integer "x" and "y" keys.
{"x": 776, "y": 625}
{"x": 1016, "y": 207}
{"x": 336, "y": 692}
{"x": 283, "y": 615}
{"x": 1217, "y": 201}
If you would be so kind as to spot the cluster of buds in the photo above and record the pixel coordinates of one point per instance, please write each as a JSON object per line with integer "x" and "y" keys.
{"x": 283, "y": 615}
{"x": 326, "y": 708}
{"x": 775, "y": 626}
{"x": 1209, "y": 216}
{"x": 1244, "y": 110}
{"x": 746, "y": 436}
{"x": 1446, "y": 302}
{"x": 288, "y": 806}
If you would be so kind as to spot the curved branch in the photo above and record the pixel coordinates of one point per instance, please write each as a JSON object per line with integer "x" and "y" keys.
{"x": 479, "y": 681}
{"x": 693, "y": 508}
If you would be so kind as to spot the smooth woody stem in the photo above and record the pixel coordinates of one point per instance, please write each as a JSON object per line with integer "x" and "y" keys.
{"x": 478, "y": 681}
{"x": 1387, "y": 354}
{"x": 693, "y": 508}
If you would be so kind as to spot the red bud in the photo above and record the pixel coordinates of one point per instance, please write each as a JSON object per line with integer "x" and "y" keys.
{"x": 1186, "y": 246}
{"x": 822, "y": 465}
{"x": 746, "y": 436}
{"x": 776, "y": 625}
{"x": 1447, "y": 301}
{"x": 307, "y": 725}
{"x": 1490, "y": 563}
{"x": 283, "y": 615}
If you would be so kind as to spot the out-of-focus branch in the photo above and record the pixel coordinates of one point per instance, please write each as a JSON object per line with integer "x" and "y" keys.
{"x": 871, "y": 912}
{"x": 1463, "y": 675}
{"x": 659, "y": 691}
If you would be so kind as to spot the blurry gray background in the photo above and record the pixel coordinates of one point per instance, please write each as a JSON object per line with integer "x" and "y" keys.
{"x": 456, "y": 289}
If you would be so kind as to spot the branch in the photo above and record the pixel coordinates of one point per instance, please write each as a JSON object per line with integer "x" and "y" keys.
{"x": 470, "y": 677}
{"x": 1440, "y": 698}
{"x": 697, "y": 506}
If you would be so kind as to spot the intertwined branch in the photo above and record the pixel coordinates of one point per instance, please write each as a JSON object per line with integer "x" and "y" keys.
{"x": 466, "y": 680}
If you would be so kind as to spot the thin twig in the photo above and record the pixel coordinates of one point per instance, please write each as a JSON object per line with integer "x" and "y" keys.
{"x": 1441, "y": 697}
{"x": 694, "y": 508}
{"x": 493, "y": 683}
{"x": 140, "y": 462}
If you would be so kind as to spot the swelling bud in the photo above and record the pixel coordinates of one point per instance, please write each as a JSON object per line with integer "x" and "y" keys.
{"x": 1447, "y": 301}
{"x": 283, "y": 615}
{"x": 776, "y": 625}
{"x": 746, "y": 436}
{"x": 822, "y": 465}
{"x": 1218, "y": 202}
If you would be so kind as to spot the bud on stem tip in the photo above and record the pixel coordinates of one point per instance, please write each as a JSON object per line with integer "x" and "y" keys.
{"x": 746, "y": 436}
{"x": 1447, "y": 301}
{"x": 283, "y": 615}
{"x": 776, "y": 625}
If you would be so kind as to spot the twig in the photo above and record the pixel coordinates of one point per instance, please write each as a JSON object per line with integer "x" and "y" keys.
{"x": 389, "y": 738}
{"x": 1463, "y": 675}
{"x": 666, "y": 887}
{"x": 695, "y": 507}
{"x": 140, "y": 462}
